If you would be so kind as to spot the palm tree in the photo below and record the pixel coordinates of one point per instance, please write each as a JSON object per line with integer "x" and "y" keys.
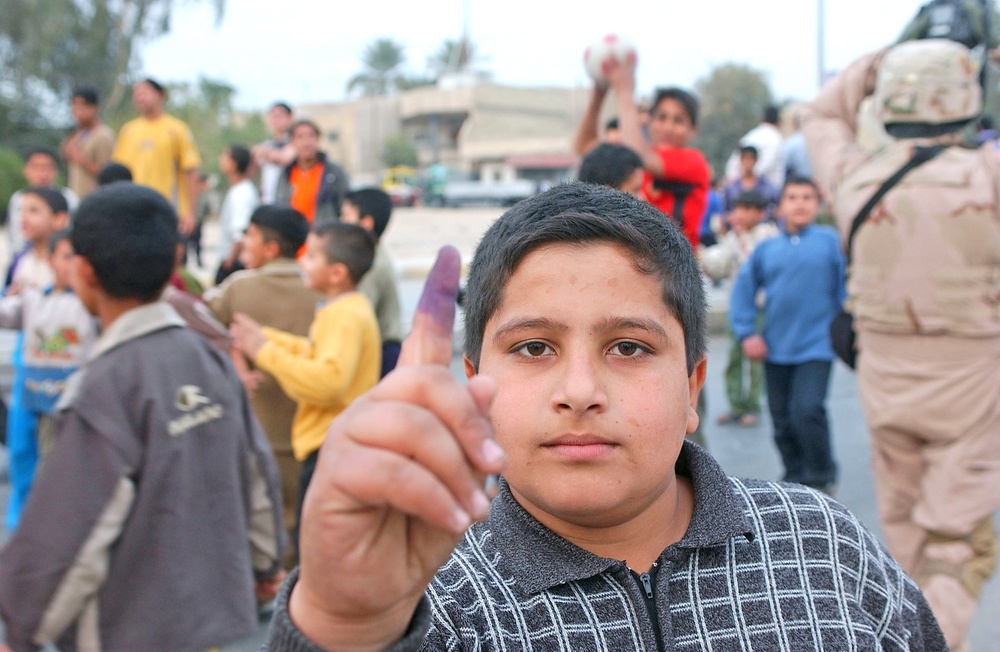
{"x": 453, "y": 57}
{"x": 381, "y": 61}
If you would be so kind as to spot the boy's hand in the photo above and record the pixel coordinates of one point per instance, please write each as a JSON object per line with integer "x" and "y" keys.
{"x": 620, "y": 75}
{"x": 398, "y": 481}
{"x": 754, "y": 348}
{"x": 247, "y": 335}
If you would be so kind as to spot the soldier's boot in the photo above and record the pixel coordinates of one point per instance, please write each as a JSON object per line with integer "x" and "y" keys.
{"x": 951, "y": 574}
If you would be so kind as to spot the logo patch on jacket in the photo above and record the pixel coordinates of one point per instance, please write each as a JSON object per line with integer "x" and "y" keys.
{"x": 198, "y": 409}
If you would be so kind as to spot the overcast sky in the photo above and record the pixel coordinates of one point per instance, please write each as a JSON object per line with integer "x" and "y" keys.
{"x": 307, "y": 52}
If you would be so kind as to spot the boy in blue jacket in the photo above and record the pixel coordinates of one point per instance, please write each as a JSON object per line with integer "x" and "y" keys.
{"x": 801, "y": 273}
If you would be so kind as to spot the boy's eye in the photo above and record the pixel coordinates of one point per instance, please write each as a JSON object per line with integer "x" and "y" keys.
{"x": 533, "y": 349}
{"x": 628, "y": 349}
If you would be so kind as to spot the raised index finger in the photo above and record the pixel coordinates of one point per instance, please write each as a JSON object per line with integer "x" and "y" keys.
{"x": 429, "y": 341}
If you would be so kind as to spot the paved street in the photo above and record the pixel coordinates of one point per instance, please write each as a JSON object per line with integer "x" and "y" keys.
{"x": 414, "y": 236}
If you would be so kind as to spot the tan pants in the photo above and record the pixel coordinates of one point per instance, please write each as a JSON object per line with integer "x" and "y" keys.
{"x": 289, "y": 467}
{"x": 933, "y": 409}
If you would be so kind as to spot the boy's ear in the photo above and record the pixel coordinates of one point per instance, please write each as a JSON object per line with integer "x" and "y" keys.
{"x": 696, "y": 382}
{"x": 272, "y": 249}
{"x": 84, "y": 272}
{"x": 470, "y": 368}
{"x": 339, "y": 275}
{"x": 61, "y": 219}
{"x": 367, "y": 223}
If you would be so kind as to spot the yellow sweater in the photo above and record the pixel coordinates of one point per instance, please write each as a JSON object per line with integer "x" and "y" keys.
{"x": 339, "y": 360}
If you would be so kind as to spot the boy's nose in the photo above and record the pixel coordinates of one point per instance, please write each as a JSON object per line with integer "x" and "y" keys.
{"x": 580, "y": 387}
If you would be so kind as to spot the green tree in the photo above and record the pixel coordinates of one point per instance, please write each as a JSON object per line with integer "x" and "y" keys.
{"x": 11, "y": 177}
{"x": 399, "y": 149}
{"x": 381, "y": 64}
{"x": 733, "y": 97}
{"x": 49, "y": 46}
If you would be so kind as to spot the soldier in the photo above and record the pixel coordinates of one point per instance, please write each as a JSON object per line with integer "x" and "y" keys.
{"x": 924, "y": 288}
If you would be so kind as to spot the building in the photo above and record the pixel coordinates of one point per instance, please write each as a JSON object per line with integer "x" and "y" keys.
{"x": 477, "y": 128}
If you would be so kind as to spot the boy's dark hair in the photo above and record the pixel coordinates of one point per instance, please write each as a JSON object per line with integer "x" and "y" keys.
{"x": 284, "y": 106}
{"x": 348, "y": 244}
{"x": 751, "y": 199}
{"x": 305, "y": 122}
{"x": 86, "y": 93}
{"x": 54, "y": 199}
{"x": 374, "y": 202}
{"x": 42, "y": 151}
{"x": 128, "y": 234}
{"x": 611, "y": 124}
{"x": 771, "y": 114}
{"x": 749, "y": 149}
{"x": 681, "y": 96}
{"x": 580, "y": 214}
{"x": 799, "y": 181}
{"x": 112, "y": 172}
{"x": 241, "y": 157}
{"x": 57, "y": 237}
{"x": 157, "y": 86}
{"x": 283, "y": 225}
{"x": 609, "y": 164}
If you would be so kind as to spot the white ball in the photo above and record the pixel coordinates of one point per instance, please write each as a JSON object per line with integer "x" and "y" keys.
{"x": 610, "y": 46}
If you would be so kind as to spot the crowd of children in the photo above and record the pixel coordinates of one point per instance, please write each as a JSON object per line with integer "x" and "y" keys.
{"x": 224, "y": 430}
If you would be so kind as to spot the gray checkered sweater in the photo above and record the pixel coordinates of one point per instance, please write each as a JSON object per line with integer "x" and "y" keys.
{"x": 763, "y": 566}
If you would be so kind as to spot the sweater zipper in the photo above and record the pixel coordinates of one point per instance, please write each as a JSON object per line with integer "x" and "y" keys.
{"x": 646, "y": 582}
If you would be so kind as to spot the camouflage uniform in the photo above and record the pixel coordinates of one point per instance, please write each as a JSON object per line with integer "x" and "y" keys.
{"x": 924, "y": 286}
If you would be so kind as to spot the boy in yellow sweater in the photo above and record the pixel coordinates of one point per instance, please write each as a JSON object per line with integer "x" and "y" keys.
{"x": 342, "y": 356}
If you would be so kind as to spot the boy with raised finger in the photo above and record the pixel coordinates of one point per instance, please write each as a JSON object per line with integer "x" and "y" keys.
{"x": 585, "y": 348}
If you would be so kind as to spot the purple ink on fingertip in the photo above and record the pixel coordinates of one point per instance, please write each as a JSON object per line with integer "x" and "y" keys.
{"x": 438, "y": 298}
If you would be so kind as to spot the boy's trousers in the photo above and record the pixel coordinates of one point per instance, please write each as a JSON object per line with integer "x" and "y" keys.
{"x": 933, "y": 409}
{"x": 743, "y": 393}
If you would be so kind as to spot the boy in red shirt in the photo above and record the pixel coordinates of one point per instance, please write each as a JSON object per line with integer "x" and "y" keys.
{"x": 677, "y": 176}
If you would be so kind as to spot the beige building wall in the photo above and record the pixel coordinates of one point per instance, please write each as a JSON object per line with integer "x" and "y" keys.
{"x": 475, "y": 128}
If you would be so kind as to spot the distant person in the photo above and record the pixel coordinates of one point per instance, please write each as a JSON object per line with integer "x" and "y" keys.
{"x": 713, "y": 224}
{"x": 58, "y": 333}
{"x": 766, "y": 138}
{"x": 44, "y": 212}
{"x": 270, "y": 291}
{"x": 160, "y": 151}
{"x": 797, "y": 163}
{"x": 312, "y": 184}
{"x": 276, "y": 153}
{"x": 613, "y": 165}
{"x": 158, "y": 507}
{"x": 677, "y": 176}
{"x": 340, "y": 359}
{"x": 112, "y": 172}
{"x": 747, "y": 229}
{"x": 371, "y": 209}
{"x": 985, "y": 131}
{"x": 41, "y": 170}
{"x": 749, "y": 179}
{"x": 89, "y": 147}
{"x": 801, "y": 272}
{"x": 239, "y": 203}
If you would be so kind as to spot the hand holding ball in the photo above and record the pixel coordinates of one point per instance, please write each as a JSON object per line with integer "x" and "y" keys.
{"x": 597, "y": 57}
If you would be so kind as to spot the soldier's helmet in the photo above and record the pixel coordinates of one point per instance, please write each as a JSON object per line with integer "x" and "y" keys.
{"x": 927, "y": 87}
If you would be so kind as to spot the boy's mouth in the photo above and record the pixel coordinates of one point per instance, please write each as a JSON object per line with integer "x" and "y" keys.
{"x": 580, "y": 447}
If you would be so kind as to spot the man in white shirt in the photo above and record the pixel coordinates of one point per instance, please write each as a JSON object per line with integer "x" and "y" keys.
{"x": 275, "y": 153}
{"x": 766, "y": 138}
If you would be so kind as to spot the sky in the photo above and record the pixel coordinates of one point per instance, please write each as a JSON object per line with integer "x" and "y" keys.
{"x": 306, "y": 52}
